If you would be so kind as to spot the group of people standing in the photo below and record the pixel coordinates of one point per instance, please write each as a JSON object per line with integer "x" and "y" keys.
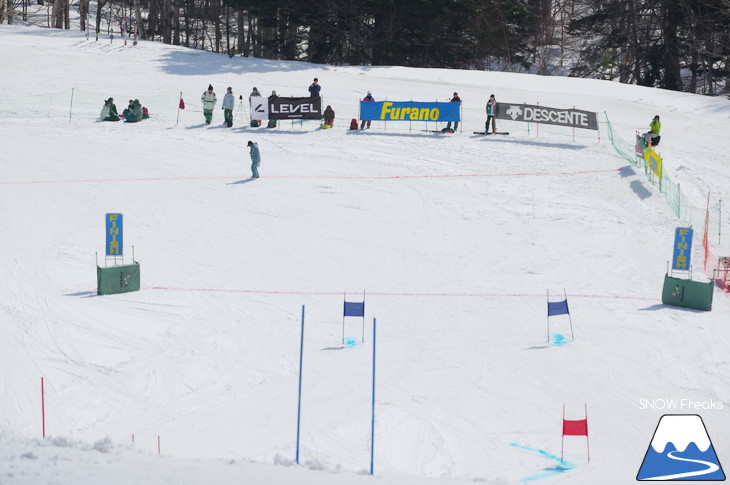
{"x": 209, "y": 100}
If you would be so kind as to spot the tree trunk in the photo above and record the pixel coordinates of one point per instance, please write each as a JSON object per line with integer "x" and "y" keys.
{"x": 175, "y": 22}
{"x": 241, "y": 32}
{"x": 140, "y": 31}
{"x": 99, "y": 6}
{"x": 83, "y": 15}
{"x": 57, "y": 14}
{"x": 672, "y": 18}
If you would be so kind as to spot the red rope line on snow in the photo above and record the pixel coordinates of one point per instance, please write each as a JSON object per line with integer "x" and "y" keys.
{"x": 313, "y": 177}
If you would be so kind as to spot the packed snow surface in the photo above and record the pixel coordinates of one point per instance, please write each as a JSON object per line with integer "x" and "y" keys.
{"x": 455, "y": 242}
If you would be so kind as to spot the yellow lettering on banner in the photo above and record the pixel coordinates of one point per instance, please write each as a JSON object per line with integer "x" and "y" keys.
{"x": 395, "y": 113}
{"x": 682, "y": 245}
{"x": 435, "y": 114}
{"x": 386, "y": 109}
{"x": 683, "y": 232}
{"x": 114, "y": 230}
{"x": 113, "y": 217}
{"x": 681, "y": 262}
{"x": 114, "y": 247}
{"x": 404, "y": 112}
{"x": 423, "y": 114}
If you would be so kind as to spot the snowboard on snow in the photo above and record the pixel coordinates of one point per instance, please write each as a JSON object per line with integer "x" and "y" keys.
{"x": 487, "y": 133}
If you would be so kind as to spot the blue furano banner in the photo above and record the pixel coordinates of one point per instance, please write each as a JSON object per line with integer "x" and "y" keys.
{"x": 409, "y": 111}
{"x": 682, "y": 249}
{"x": 114, "y": 235}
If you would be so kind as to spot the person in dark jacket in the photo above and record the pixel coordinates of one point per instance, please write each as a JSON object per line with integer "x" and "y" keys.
{"x": 315, "y": 88}
{"x": 369, "y": 98}
{"x": 455, "y": 99}
{"x": 329, "y": 116}
{"x": 491, "y": 115}
{"x": 128, "y": 109}
{"x": 135, "y": 114}
{"x": 272, "y": 123}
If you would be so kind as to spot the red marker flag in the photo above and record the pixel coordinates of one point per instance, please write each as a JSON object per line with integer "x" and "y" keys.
{"x": 182, "y": 104}
{"x": 575, "y": 428}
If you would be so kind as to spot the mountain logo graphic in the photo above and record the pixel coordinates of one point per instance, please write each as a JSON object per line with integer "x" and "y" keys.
{"x": 680, "y": 450}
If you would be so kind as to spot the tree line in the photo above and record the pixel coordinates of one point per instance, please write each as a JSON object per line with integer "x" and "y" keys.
{"x": 681, "y": 45}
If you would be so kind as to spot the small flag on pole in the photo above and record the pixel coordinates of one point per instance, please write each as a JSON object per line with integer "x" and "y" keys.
{"x": 577, "y": 427}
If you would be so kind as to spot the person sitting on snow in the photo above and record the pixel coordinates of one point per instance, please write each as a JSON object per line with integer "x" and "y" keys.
{"x": 329, "y": 116}
{"x": 109, "y": 111}
{"x": 128, "y": 109}
{"x": 135, "y": 114}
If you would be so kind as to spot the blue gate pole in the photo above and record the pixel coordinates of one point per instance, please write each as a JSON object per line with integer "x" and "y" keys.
{"x": 299, "y": 401}
{"x": 372, "y": 422}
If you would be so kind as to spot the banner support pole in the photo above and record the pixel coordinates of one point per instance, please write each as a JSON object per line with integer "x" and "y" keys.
{"x": 299, "y": 400}
{"x": 570, "y": 319}
{"x": 372, "y": 420}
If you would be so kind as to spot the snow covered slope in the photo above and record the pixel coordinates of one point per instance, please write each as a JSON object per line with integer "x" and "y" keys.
{"x": 455, "y": 240}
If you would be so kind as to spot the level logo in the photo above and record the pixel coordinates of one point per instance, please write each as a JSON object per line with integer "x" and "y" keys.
{"x": 680, "y": 450}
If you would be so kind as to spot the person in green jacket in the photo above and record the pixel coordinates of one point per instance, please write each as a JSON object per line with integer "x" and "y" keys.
{"x": 209, "y": 99}
{"x": 491, "y": 115}
{"x": 652, "y": 136}
{"x": 109, "y": 111}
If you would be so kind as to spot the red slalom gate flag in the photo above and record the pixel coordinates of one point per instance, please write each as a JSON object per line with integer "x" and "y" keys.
{"x": 182, "y": 104}
{"x": 575, "y": 428}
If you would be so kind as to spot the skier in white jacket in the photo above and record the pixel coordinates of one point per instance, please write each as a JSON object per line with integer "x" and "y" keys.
{"x": 209, "y": 99}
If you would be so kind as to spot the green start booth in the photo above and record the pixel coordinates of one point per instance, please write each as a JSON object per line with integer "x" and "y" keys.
{"x": 687, "y": 293}
{"x": 117, "y": 279}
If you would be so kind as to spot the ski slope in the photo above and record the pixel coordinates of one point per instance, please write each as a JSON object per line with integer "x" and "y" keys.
{"x": 455, "y": 240}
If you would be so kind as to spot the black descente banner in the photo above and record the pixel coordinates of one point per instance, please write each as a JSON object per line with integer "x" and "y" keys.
{"x": 295, "y": 108}
{"x": 550, "y": 116}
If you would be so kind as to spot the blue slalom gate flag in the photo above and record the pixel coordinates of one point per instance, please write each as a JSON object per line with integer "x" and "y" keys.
{"x": 354, "y": 309}
{"x": 557, "y": 308}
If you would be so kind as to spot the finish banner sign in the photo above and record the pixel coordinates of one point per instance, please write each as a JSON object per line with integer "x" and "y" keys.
{"x": 529, "y": 113}
{"x": 114, "y": 235}
{"x": 682, "y": 248}
{"x": 295, "y": 108}
{"x": 409, "y": 111}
